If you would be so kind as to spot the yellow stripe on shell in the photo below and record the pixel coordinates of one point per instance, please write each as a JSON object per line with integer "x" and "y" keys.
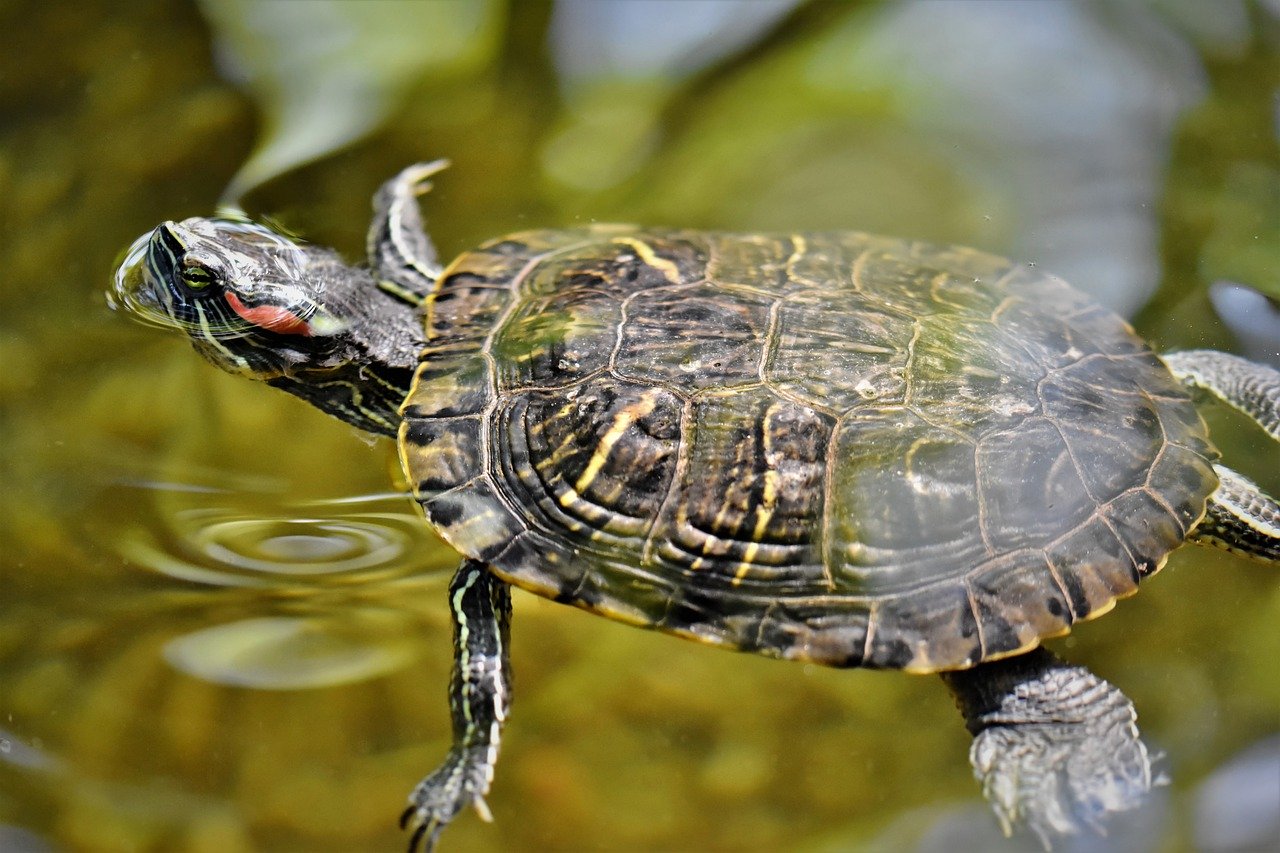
{"x": 621, "y": 423}
{"x": 669, "y": 270}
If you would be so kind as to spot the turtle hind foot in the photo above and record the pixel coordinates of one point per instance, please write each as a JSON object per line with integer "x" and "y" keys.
{"x": 461, "y": 780}
{"x": 1056, "y": 748}
{"x": 1058, "y": 787}
{"x": 1241, "y": 518}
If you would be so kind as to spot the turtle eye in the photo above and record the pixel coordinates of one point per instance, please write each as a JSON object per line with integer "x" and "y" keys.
{"x": 196, "y": 275}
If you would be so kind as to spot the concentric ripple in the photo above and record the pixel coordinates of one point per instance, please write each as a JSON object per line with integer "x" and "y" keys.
{"x": 349, "y": 540}
{"x": 300, "y": 546}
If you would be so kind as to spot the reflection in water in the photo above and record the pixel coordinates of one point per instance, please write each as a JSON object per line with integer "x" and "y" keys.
{"x": 286, "y": 653}
{"x": 1253, "y": 318}
{"x": 140, "y": 709}
{"x": 344, "y": 542}
{"x": 16, "y": 751}
{"x": 1238, "y": 807}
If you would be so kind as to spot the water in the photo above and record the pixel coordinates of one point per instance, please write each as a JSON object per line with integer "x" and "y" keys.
{"x": 221, "y": 628}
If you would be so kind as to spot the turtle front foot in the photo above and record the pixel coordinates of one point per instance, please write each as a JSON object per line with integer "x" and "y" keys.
{"x": 1055, "y": 747}
{"x": 461, "y": 781}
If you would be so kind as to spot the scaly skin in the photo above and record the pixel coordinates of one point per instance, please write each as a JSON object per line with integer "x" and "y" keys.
{"x": 1055, "y": 747}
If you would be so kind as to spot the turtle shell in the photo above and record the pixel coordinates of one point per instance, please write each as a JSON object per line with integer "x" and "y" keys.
{"x": 832, "y": 447}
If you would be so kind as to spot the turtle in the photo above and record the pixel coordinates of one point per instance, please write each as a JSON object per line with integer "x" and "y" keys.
{"x": 832, "y": 447}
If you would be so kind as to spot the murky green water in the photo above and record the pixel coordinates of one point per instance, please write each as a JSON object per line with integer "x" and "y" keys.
{"x": 221, "y": 629}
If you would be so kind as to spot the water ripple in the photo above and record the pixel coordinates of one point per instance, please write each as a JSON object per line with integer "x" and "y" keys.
{"x": 346, "y": 540}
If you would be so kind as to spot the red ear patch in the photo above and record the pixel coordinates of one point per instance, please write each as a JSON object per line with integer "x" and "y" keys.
{"x": 273, "y": 319}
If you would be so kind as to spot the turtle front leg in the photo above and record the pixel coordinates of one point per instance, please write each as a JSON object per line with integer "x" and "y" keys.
{"x": 479, "y": 697}
{"x": 400, "y": 252}
{"x": 1240, "y": 516}
{"x": 1055, "y": 747}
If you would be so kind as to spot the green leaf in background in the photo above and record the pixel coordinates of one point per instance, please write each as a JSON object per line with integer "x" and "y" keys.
{"x": 326, "y": 72}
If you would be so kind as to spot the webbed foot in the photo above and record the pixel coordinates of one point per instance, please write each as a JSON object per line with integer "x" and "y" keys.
{"x": 461, "y": 780}
{"x": 1056, "y": 748}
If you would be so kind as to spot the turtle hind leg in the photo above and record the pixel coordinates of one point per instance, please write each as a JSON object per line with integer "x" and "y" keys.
{"x": 479, "y": 698}
{"x": 1240, "y": 516}
{"x": 1055, "y": 747}
{"x": 1248, "y": 387}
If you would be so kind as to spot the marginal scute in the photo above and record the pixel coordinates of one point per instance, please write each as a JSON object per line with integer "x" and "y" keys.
{"x": 1018, "y": 601}
{"x": 963, "y": 261}
{"x": 757, "y": 261}
{"x": 1147, "y": 525}
{"x": 932, "y": 629}
{"x": 460, "y": 310}
{"x": 1183, "y": 477}
{"x": 1094, "y": 567}
{"x": 826, "y": 631}
{"x": 443, "y": 452}
{"x": 1097, "y": 329}
{"x": 832, "y": 634}
{"x": 473, "y": 519}
{"x": 832, "y": 447}
{"x": 460, "y": 389}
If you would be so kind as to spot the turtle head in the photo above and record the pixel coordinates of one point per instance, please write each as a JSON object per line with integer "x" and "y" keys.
{"x": 260, "y": 304}
{"x": 224, "y": 282}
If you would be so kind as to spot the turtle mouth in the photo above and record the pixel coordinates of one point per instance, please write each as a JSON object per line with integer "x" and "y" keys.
{"x": 132, "y": 291}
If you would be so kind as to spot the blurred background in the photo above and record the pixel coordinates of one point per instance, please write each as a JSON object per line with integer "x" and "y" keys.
{"x": 221, "y": 626}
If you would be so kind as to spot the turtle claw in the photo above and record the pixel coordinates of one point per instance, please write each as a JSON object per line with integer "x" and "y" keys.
{"x": 426, "y": 829}
{"x": 418, "y": 173}
{"x": 415, "y": 840}
{"x": 461, "y": 781}
{"x": 482, "y": 809}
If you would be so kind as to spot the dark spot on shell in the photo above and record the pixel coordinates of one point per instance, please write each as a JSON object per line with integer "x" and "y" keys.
{"x": 999, "y": 635}
{"x": 445, "y": 512}
{"x": 429, "y": 485}
{"x": 421, "y": 433}
{"x": 894, "y": 654}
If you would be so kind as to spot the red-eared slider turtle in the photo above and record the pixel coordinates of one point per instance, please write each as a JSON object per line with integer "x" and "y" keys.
{"x": 831, "y": 447}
